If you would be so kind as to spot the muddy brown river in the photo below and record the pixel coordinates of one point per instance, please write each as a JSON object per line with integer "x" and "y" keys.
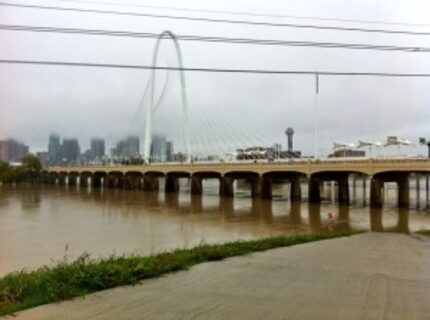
{"x": 43, "y": 224}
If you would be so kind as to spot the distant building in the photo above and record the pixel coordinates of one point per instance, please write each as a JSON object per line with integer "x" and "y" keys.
{"x": 55, "y": 152}
{"x": 43, "y": 157}
{"x": 169, "y": 151}
{"x": 71, "y": 151}
{"x": 347, "y": 153}
{"x": 128, "y": 148}
{"x": 158, "y": 149}
{"x": 12, "y": 150}
{"x": 97, "y": 149}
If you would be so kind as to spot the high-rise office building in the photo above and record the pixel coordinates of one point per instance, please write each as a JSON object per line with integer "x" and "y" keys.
{"x": 71, "y": 151}
{"x": 97, "y": 149}
{"x": 158, "y": 148}
{"x": 169, "y": 151}
{"x": 55, "y": 152}
{"x": 12, "y": 150}
{"x": 128, "y": 148}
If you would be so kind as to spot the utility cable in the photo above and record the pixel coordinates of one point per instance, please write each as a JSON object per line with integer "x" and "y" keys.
{"x": 266, "y": 42}
{"x": 213, "y": 20}
{"x": 214, "y": 70}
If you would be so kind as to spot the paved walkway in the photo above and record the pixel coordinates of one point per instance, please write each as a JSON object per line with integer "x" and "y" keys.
{"x": 368, "y": 276}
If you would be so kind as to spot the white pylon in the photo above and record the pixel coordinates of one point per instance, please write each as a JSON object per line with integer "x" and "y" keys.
{"x": 150, "y": 107}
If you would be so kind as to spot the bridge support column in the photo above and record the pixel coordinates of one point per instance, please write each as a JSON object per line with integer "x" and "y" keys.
{"x": 120, "y": 181}
{"x": 131, "y": 181}
{"x": 150, "y": 183}
{"x": 83, "y": 180}
{"x": 256, "y": 186}
{"x": 376, "y": 186}
{"x": 96, "y": 181}
{"x": 62, "y": 179}
{"x": 427, "y": 191}
{"x": 343, "y": 190}
{"x": 109, "y": 181}
{"x": 364, "y": 190}
{"x": 226, "y": 187}
{"x": 314, "y": 190}
{"x": 196, "y": 185}
{"x": 266, "y": 188}
{"x": 73, "y": 179}
{"x": 296, "y": 190}
{"x": 172, "y": 184}
{"x": 403, "y": 196}
{"x": 418, "y": 189}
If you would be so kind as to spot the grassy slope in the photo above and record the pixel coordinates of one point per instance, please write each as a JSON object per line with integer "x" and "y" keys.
{"x": 26, "y": 289}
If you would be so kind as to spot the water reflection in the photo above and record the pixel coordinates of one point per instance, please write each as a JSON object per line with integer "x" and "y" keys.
{"x": 102, "y": 221}
{"x": 376, "y": 221}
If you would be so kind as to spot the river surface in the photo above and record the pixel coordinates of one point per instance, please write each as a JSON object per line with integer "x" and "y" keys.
{"x": 40, "y": 225}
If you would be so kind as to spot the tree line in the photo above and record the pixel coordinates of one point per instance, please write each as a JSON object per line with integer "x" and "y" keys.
{"x": 30, "y": 171}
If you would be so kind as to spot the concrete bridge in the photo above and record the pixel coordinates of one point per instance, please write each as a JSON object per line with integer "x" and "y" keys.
{"x": 260, "y": 175}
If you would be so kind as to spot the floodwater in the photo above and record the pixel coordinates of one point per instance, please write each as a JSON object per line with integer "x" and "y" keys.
{"x": 43, "y": 224}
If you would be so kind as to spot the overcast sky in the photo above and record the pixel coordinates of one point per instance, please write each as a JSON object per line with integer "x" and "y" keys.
{"x": 226, "y": 110}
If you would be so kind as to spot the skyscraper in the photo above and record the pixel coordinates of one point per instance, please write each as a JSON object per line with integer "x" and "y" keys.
{"x": 71, "y": 151}
{"x": 128, "y": 148}
{"x": 158, "y": 148}
{"x": 97, "y": 149}
{"x": 54, "y": 149}
{"x": 12, "y": 150}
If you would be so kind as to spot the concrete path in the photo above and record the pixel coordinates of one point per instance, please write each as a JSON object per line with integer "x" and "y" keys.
{"x": 368, "y": 276}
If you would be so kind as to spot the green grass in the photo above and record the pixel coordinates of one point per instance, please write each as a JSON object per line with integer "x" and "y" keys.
{"x": 25, "y": 289}
{"x": 424, "y": 232}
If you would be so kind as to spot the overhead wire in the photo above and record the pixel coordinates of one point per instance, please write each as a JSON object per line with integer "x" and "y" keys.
{"x": 213, "y": 20}
{"x": 213, "y": 70}
{"x": 242, "y": 13}
{"x": 266, "y": 42}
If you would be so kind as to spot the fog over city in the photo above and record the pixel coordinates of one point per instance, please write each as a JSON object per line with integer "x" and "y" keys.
{"x": 235, "y": 110}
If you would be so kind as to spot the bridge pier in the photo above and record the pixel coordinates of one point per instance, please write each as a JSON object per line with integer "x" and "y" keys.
{"x": 314, "y": 190}
{"x": 150, "y": 183}
{"x": 296, "y": 189}
{"x": 266, "y": 188}
{"x": 343, "y": 190}
{"x": 62, "y": 177}
{"x": 132, "y": 181}
{"x": 226, "y": 186}
{"x": 73, "y": 179}
{"x": 376, "y": 186}
{"x": 96, "y": 180}
{"x": 83, "y": 179}
{"x": 403, "y": 195}
{"x": 171, "y": 184}
{"x": 196, "y": 185}
{"x": 110, "y": 181}
{"x": 417, "y": 189}
{"x": 427, "y": 191}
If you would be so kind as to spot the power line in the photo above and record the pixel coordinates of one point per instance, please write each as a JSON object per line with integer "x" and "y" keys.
{"x": 272, "y": 42}
{"x": 213, "y": 20}
{"x": 214, "y": 70}
{"x": 241, "y": 13}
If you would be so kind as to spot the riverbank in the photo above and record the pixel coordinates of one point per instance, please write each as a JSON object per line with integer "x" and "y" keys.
{"x": 366, "y": 276}
{"x": 66, "y": 280}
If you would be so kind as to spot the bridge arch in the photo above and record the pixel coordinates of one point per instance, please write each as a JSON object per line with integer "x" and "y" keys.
{"x": 148, "y": 113}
